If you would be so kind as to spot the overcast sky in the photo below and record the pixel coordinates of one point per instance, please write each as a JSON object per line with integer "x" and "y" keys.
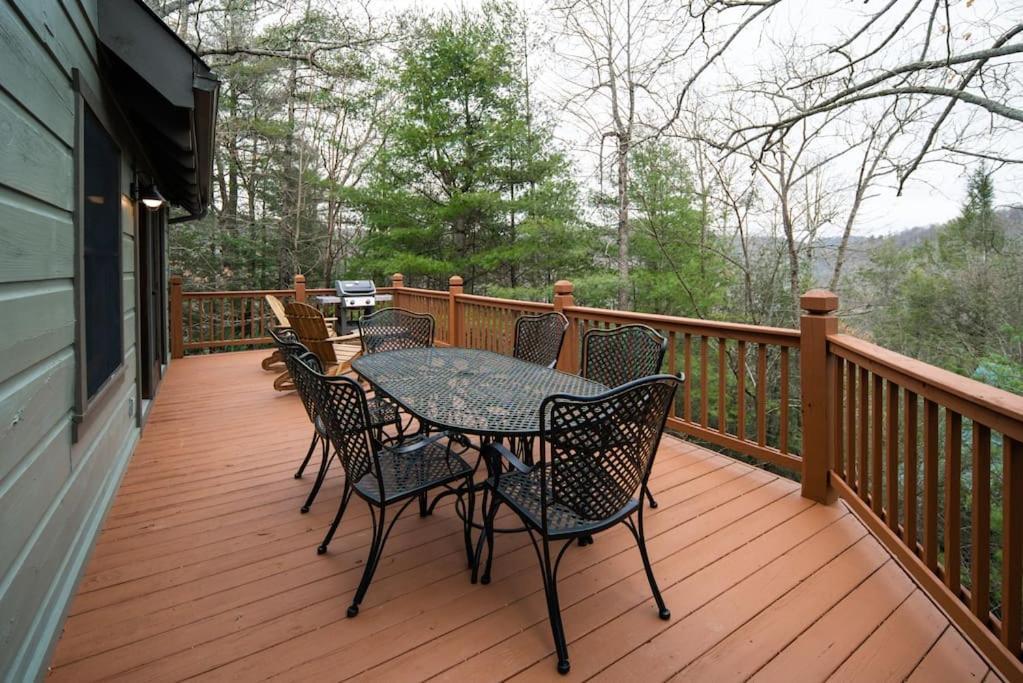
{"x": 934, "y": 194}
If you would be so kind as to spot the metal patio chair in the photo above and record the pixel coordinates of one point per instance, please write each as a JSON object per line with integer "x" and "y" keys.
{"x": 391, "y": 329}
{"x": 538, "y": 338}
{"x": 596, "y": 454}
{"x": 616, "y": 356}
{"x": 381, "y": 413}
{"x": 385, "y": 477}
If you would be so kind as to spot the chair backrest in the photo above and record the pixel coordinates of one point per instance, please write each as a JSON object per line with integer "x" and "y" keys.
{"x": 343, "y": 411}
{"x": 596, "y": 452}
{"x": 296, "y": 358}
{"x": 282, "y": 336}
{"x": 277, "y": 308}
{"x": 538, "y": 338}
{"x": 391, "y": 329}
{"x": 311, "y": 329}
{"x": 616, "y": 356}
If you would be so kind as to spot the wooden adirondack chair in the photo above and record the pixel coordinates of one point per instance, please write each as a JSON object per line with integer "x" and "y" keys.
{"x": 335, "y": 353}
{"x": 275, "y": 362}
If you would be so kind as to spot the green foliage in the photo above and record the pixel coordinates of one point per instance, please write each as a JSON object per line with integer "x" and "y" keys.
{"x": 679, "y": 269}
{"x": 469, "y": 182}
{"x": 954, "y": 302}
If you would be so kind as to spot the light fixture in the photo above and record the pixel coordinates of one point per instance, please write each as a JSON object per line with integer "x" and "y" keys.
{"x": 151, "y": 197}
{"x": 147, "y": 194}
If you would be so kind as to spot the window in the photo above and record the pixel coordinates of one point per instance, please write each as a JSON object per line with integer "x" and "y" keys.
{"x": 101, "y": 254}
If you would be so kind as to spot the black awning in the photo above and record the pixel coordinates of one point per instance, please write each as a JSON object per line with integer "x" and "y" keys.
{"x": 169, "y": 96}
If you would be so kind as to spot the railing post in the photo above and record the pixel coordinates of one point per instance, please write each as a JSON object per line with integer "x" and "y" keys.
{"x": 397, "y": 282}
{"x": 177, "y": 323}
{"x": 455, "y": 287}
{"x": 817, "y": 322}
{"x": 299, "y": 287}
{"x": 568, "y": 359}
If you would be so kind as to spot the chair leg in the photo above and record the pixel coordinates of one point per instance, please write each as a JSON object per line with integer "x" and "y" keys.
{"x": 550, "y": 587}
{"x": 662, "y": 610}
{"x": 650, "y": 498}
{"x": 375, "y": 551}
{"x": 309, "y": 454}
{"x": 320, "y": 476}
{"x": 488, "y": 529}
{"x": 345, "y": 497}
{"x": 470, "y": 512}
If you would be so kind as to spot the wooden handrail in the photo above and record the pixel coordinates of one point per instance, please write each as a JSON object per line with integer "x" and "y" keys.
{"x": 236, "y": 294}
{"x": 780, "y": 336}
{"x": 997, "y": 408}
{"x": 515, "y": 304}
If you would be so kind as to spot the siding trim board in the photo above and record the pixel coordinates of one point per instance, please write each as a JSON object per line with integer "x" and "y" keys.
{"x": 58, "y": 475}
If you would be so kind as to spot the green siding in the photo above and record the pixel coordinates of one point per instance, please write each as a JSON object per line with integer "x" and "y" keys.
{"x": 53, "y": 493}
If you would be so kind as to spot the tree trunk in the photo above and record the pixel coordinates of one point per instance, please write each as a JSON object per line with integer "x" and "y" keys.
{"x": 624, "y": 291}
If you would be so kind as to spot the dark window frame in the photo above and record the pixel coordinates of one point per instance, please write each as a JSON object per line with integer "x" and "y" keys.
{"x": 84, "y": 405}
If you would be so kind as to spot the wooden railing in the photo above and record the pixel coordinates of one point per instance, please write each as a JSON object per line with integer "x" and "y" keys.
{"x": 916, "y": 450}
{"x": 930, "y": 460}
{"x": 727, "y": 398}
{"x": 227, "y": 320}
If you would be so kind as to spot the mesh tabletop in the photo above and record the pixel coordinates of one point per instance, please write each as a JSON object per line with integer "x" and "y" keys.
{"x": 468, "y": 390}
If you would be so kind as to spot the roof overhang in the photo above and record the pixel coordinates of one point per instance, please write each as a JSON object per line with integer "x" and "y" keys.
{"x": 169, "y": 96}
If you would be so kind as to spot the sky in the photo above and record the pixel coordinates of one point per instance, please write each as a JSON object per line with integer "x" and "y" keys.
{"x": 933, "y": 195}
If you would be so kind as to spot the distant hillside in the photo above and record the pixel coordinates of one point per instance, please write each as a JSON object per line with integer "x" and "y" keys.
{"x": 858, "y": 252}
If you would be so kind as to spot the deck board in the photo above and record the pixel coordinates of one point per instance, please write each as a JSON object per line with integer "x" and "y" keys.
{"x": 205, "y": 568}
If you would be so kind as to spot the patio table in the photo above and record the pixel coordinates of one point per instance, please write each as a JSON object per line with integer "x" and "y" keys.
{"x": 469, "y": 391}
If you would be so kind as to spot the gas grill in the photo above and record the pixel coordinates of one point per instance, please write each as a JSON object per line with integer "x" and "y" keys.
{"x": 353, "y": 295}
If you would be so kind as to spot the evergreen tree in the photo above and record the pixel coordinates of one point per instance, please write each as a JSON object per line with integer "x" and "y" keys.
{"x": 469, "y": 182}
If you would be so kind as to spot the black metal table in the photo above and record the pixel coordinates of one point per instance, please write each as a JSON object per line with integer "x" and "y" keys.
{"x": 469, "y": 391}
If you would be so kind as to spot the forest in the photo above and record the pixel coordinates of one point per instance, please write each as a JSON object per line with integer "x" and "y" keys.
{"x": 699, "y": 158}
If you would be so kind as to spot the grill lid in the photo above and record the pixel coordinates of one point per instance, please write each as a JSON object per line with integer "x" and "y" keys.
{"x": 355, "y": 287}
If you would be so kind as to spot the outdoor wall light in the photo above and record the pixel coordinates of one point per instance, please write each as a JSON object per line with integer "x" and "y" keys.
{"x": 148, "y": 195}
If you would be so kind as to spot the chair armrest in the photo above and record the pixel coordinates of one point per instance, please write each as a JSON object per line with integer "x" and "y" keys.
{"x": 421, "y": 443}
{"x": 344, "y": 337}
{"x": 498, "y": 451}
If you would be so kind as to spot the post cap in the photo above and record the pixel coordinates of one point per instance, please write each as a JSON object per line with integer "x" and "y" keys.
{"x": 563, "y": 287}
{"x": 397, "y": 277}
{"x": 175, "y": 279}
{"x": 819, "y": 301}
{"x": 456, "y": 281}
{"x": 299, "y": 277}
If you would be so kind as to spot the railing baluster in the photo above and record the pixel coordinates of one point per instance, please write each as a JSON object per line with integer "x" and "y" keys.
{"x": 704, "y": 352}
{"x": 909, "y": 496}
{"x": 931, "y": 485}
{"x": 864, "y": 435}
{"x": 980, "y": 524}
{"x": 838, "y": 386}
{"x": 673, "y": 367}
{"x": 877, "y": 413}
{"x": 850, "y": 436}
{"x": 761, "y": 394}
{"x": 783, "y": 417}
{"x": 722, "y": 416}
{"x": 892, "y": 451}
{"x": 687, "y": 388}
{"x": 740, "y": 427}
{"x": 953, "y": 469}
{"x": 1012, "y": 540}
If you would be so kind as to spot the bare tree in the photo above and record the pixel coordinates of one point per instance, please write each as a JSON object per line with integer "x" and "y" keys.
{"x": 941, "y": 52}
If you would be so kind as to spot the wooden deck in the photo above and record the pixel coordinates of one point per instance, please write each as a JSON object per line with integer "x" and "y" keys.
{"x": 205, "y": 568}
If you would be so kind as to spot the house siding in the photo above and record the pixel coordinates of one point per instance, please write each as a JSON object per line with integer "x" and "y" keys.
{"x": 53, "y": 492}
